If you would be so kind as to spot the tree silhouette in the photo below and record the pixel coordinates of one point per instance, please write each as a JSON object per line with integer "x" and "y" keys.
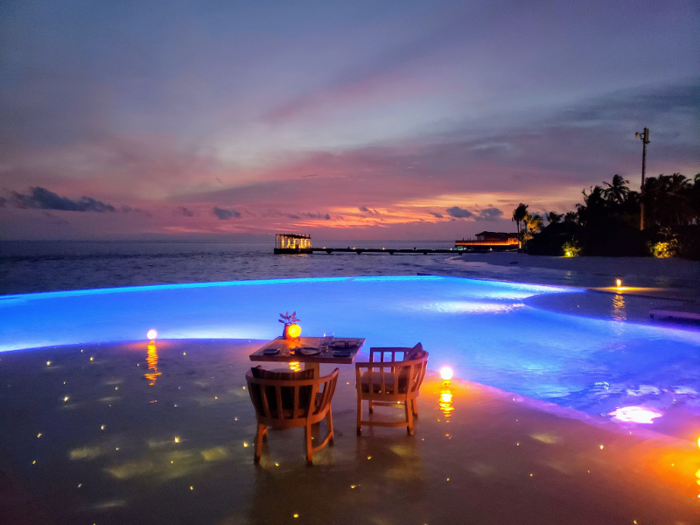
{"x": 607, "y": 222}
{"x": 519, "y": 215}
{"x": 668, "y": 199}
{"x": 533, "y": 224}
{"x": 617, "y": 190}
{"x": 553, "y": 217}
{"x": 570, "y": 216}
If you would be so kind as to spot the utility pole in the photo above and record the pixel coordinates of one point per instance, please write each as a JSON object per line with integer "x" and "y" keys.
{"x": 644, "y": 137}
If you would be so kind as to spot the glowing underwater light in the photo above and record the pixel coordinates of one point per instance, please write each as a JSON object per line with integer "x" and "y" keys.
{"x": 152, "y": 334}
{"x": 446, "y": 373}
{"x": 635, "y": 414}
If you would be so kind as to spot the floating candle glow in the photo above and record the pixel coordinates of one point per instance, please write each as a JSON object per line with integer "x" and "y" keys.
{"x": 446, "y": 373}
{"x": 152, "y": 334}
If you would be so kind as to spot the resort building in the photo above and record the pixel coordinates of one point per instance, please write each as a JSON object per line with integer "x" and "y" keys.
{"x": 292, "y": 243}
{"x": 489, "y": 241}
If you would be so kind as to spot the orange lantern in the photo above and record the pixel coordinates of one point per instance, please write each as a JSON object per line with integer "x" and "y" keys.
{"x": 292, "y": 331}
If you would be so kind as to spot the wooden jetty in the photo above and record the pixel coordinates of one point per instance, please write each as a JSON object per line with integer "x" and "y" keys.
{"x": 294, "y": 244}
{"x": 390, "y": 251}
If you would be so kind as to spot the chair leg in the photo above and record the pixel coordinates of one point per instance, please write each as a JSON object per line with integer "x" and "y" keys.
{"x": 329, "y": 424}
{"x": 414, "y": 402}
{"x": 409, "y": 419}
{"x": 262, "y": 432}
{"x": 371, "y": 407}
{"x": 309, "y": 445}
{"x": 359, "y": 415}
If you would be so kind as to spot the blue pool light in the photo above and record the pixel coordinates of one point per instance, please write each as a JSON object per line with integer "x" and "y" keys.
{"x": 486, "y": 330}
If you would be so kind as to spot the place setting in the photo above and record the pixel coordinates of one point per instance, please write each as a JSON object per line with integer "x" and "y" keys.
{"x": 293, "y": 347}
{"x": 309, "y": 350}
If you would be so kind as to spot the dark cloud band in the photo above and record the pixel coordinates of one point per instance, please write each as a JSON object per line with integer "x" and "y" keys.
{"x": 44, "y": 199}
{"x": 226, "y": 214}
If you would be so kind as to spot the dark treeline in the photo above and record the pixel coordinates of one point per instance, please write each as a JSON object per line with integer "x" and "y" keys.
{"x": 608, "y": 221}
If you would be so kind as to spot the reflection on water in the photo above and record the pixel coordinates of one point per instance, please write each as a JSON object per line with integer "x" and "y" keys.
{"x": 152, "y": 360}
{"x": 446, "y": 406}
{"x": 619, "y": 313}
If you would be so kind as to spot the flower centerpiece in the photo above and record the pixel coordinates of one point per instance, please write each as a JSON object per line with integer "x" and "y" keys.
{"x": 291, "y": 329}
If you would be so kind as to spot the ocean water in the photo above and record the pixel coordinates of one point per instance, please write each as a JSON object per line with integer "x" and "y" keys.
{"x": 27, "y": 267}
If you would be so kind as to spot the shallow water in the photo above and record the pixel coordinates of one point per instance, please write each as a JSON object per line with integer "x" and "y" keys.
{"x": 134, "y": 433}
{"x": 484, "y": 330}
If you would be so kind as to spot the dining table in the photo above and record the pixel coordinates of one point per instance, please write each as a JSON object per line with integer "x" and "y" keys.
{"x": 312, "y": 352}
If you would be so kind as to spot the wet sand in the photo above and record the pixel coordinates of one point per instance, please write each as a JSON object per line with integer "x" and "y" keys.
{"x": 97, "y": 436}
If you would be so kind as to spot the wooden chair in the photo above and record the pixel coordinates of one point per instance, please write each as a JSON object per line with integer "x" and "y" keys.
{"x": 389, "y": 382}
{"x": 303, "y": 402}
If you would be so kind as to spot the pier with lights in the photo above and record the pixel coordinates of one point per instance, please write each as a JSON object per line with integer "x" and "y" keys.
{"x": 292, "y": 244}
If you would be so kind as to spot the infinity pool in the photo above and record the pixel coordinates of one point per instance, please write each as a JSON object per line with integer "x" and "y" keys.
{"x": 484, "y": 330}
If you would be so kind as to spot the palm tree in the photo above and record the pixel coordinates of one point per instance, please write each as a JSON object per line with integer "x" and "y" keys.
{"x": 668, "y": 199}
{"x": 616, "y": 190}
{"x": 533, "y": 224}
{"x": 519, "y": 215}
{"x": 553, "y": 217}
{"x": 695, "y": 198}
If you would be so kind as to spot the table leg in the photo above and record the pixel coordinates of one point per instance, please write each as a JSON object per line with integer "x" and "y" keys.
{"x": 314, "y": 366}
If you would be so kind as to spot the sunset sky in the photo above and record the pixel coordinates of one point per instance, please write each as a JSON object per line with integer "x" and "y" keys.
{"x": 348, "y": 120}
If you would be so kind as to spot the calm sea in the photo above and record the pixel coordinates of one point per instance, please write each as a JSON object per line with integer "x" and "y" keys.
{"x": 45, "y": 266}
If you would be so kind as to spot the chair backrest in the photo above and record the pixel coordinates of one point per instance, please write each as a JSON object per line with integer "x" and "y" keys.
{"x": 408, "y": 375}
{"x": 387, "y": 354}
{"x": 383, "y": 354}
{"x": 298, "y": 398}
